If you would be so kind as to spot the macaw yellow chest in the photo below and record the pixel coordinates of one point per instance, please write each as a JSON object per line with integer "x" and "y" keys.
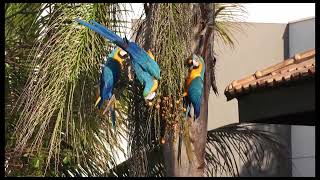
{"x": 192, "y": 75}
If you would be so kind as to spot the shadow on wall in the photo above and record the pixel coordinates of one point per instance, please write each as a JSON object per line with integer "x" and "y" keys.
{"x": 271, "y": 163}
{"x": 152, "y": 165}
{"x": 285, "y": 38}
{"x": 259, "y": 146}
{"x": 248, "y": 150}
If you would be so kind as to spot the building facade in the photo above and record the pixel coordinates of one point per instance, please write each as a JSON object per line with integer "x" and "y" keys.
{"x": 260, "y": 45}
{"x": 302, "y": 38}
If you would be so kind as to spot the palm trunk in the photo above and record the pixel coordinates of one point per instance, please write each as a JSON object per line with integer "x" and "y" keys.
{"x": 198, "y": 41}
{"x": 197, "y": 129}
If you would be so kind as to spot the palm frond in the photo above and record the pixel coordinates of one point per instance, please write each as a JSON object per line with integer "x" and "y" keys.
{"x": 56, "y": 106}
{"x": 228, "y": 16}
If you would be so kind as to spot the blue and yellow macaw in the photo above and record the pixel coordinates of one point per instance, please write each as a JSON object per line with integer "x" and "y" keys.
{"x": 194, "y": 84}
{"x": 109, "y": 77}
{"x": 146, "y": 69}
{"x": 192, "y": 95}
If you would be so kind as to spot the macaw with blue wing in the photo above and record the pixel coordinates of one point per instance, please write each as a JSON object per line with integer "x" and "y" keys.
{"x": 194, "y": 85}
{"x": 192, "y": 95}
{"x": 109, "y": 77}
{"x": 146, "y": 68}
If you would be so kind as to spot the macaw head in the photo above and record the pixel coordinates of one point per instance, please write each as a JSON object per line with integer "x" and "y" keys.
{"x": 196, "y": 66}
{"x": 189, "y": 63}
{"x": 119, "y": 55}
{"x": 196, "y": 61}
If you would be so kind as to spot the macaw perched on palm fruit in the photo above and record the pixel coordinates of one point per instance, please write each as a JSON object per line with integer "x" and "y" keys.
{"x": 194, "y": 84}
{"x": 109, "y": 77}
{"x": 145, "y": 67}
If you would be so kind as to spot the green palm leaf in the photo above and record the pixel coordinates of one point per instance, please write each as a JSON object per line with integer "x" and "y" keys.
{"x": 57, "y": 105}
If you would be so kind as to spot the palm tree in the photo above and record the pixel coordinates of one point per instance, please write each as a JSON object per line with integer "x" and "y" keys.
{"x": 173, "y": 33}
{"x": 58, "y": 127}
{"x": 61, "y": 132}
{"x": 21, "y": 30}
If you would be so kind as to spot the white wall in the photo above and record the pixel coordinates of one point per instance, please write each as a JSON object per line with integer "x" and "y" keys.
{"x": 257, "y": 46}
{"x": 302, "y": 38}
{"x": 303, "y": 151}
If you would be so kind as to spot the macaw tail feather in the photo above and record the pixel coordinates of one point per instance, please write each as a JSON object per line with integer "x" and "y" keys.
{"x": 184, "y": 134}
{"x": 103, "y": 31}
{"x": 92, "y": 27}
{"x": 111, "y": 35}
{"x": 196, "y": 112}
{"x": 180, "y": 143}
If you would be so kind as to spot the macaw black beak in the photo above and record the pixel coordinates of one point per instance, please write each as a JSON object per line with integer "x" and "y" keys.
{"x": 124, "y": 56}
{"x": 191, "y": 67}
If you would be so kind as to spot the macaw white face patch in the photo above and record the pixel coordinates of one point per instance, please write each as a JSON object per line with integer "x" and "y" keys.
{"x": 122, "y": 53}
{"x": 195, "y": 63}
{"x": 150, "y": 96}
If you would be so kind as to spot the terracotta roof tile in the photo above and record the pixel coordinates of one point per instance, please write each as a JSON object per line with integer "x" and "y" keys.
{"x": 300, "y": 66}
